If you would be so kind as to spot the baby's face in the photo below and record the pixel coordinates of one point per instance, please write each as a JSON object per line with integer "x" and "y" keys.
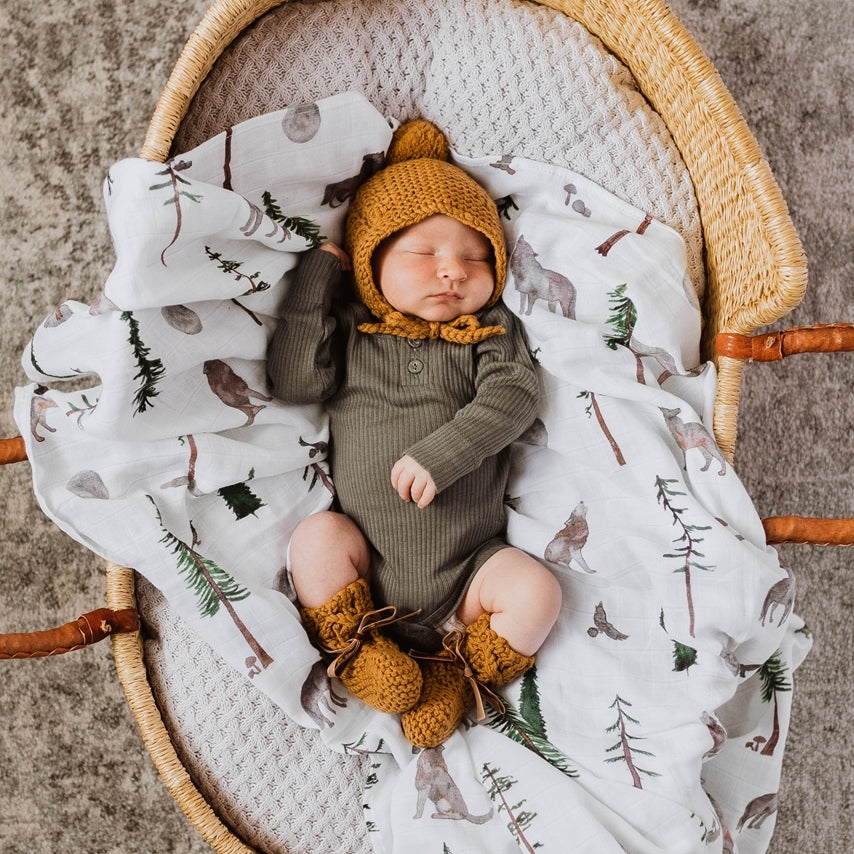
{"x": 437, "y": 269}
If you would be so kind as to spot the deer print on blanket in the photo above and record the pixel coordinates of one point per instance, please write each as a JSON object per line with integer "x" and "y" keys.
{"x": 692, "y": 435}
{"x": 533, "y": 281}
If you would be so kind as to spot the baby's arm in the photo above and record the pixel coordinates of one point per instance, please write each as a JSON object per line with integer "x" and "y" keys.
{"x": 299, "y": 359}
{"x": 505, "y": 404}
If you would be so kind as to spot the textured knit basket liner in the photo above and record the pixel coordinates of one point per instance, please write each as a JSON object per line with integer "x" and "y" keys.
{"x": 754, "y": 264}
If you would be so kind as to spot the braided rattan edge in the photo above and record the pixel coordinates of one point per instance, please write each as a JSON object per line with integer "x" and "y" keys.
{"x": 130, "y": 665}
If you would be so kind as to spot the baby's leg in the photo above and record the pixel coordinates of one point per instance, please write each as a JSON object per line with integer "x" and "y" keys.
{"x": 327, "y": 553}
{"x": 329, "y": 561}
{"x": 521, "y": 595}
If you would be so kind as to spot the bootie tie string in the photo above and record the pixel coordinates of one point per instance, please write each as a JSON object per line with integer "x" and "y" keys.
{"x": 371, "y": 621}
{"x": 452, "y": 653}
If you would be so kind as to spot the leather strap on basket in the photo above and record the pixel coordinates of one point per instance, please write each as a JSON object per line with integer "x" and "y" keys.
{"x": 775, "y": 346}
{"x": 87, "y": 629}
{"x": 804, "y": 530}
{"x": 12, "y": 450}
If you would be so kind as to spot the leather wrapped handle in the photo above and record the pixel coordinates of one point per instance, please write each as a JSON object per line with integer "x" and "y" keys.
{"x": 85, "y": 630}
{"x": 804, "y": 530}
{"x": 12, "y": 450}
{"x": 775, "y": 346}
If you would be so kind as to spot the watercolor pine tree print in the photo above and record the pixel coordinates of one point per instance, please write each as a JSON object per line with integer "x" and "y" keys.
{"x": 299, "y": 225}
{"x": 774, "y": 680}
{"x": 526, "y": 725}
{"x": 174, "y": 184}
{"x": 214, "y": 588}
{"x": 240, "y": 499}
{"x": 687, "y": 551}
{"x": 255, "y": 285}
{"x": 626, "y": 745}
{"x": 86, "y": 406}
{"x": 623, "y": 320}
{"x": 519, "y": 820}
{"x": 150, "y": 371}
{"x": 684, "y": 656}
{"x": 593, "y": 408}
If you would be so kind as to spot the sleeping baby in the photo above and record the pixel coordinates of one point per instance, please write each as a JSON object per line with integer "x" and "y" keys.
{"x": 427, "y": 380}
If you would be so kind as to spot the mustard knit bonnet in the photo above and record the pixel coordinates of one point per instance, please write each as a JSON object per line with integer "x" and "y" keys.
{"x": 418, "y": 182}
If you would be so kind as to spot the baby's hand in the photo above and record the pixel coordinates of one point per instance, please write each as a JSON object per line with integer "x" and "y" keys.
{"x": 338, "y": 252}
{"x": 412, "y": 481}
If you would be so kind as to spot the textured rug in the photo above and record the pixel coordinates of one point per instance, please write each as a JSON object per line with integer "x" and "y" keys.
{"x": 78, "y": 83}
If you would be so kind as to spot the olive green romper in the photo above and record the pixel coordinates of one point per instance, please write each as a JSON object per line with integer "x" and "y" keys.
{"x": 455, "y": 408}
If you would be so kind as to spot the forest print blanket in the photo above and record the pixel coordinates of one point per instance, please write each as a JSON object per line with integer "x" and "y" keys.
{"x": 655, "y": 717}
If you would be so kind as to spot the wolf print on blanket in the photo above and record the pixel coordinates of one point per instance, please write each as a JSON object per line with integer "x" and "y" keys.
{"x": 693, "y": 435}
{"x": 434, "y": 783}
{"x": 533, "y": 281}
{"x": 570, "y": 540}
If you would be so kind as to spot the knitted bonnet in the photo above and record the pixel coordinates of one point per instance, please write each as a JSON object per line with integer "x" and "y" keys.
{"x": 418, "y": 182}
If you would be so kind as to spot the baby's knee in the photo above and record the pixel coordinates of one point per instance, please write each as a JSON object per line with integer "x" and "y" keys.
{"x": 327, "y": 537}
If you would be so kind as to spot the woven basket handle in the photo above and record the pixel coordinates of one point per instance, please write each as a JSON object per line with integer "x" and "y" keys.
{"x": 773, "y": 347}
{"x": 87, "y": 629}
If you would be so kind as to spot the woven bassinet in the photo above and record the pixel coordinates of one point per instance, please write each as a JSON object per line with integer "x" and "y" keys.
{"x": 754, "y": 264}
{"x": 755, "y": 269}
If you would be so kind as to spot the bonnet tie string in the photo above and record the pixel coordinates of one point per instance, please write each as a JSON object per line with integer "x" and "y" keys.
{"x": 453, "y": 654}
{"x": 465, "y": 329}
{"x": 371, "y": 621}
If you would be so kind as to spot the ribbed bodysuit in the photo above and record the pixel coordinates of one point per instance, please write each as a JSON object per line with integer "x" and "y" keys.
{"x": 455, "y": 408}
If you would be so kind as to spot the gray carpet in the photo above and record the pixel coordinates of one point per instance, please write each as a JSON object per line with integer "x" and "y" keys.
{"x": 78, "y": 82}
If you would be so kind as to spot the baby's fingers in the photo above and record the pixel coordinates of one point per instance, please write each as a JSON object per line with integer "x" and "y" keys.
{"x": 423, "y": 494}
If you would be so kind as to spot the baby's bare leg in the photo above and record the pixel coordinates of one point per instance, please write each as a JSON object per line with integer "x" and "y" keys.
{"x": 521, "y": 595}
{"x": 327, "y": 552}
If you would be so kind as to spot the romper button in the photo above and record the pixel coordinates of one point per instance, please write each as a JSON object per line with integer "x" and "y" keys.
{"x": 415, "y": 343}
{"x": 415, "y": 366}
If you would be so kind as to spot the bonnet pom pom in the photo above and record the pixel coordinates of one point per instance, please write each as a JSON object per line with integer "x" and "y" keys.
{"x": 417, "y": 139}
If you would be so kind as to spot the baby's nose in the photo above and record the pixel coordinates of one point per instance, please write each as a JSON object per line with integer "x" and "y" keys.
{"x": 453, "y": 268}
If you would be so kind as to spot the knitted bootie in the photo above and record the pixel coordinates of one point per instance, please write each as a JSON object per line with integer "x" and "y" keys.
{"x": 371, "y": 665}
{"x": 472, "y": 663}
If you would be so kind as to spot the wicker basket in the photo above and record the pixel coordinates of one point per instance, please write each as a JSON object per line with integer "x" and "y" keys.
{"x": 755, "y": 266}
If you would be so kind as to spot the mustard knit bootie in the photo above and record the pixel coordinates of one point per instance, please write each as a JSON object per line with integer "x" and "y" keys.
{"x": 474, "y": 661}
{"x": 371, "y": 665}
